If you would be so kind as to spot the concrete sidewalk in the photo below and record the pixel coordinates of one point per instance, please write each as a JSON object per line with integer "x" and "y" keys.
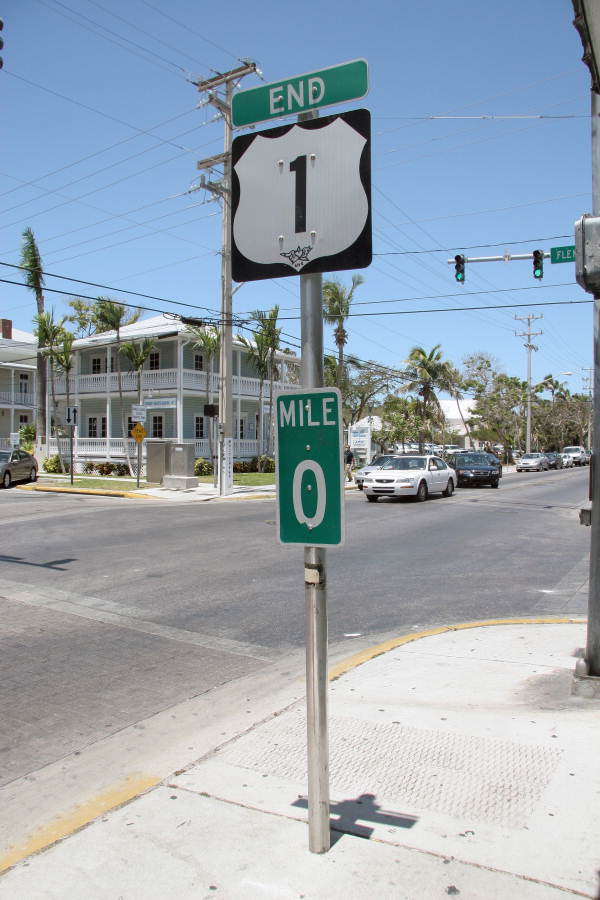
{"x": 461, "y": 763}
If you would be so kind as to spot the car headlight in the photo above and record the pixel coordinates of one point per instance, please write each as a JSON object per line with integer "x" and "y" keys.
{"x": 405, "y": 480}
{"x": 368, "y": 480}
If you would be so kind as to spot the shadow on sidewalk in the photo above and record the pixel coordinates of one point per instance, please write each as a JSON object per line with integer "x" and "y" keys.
{"x": 360, "y": 809}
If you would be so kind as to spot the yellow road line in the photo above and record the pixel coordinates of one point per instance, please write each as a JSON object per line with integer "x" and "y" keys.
{"x": 65, "y": 825}
{"x": 371, "y": 652}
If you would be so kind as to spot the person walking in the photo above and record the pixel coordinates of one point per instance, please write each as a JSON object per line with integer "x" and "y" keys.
{"x": 348, "y": 461}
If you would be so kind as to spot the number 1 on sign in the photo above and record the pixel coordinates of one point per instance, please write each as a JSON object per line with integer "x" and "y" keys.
{"x": 298, "y": 166}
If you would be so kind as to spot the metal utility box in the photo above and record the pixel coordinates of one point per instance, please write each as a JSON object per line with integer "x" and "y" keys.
{"x": 156, "y": 460}
{"x": 180, "y": 459}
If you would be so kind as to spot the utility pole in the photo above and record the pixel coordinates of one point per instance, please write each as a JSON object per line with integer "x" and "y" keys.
{"x": 222, "y": 189}
{"x": 587, "y": 23}
{"x": 529, "y": 347}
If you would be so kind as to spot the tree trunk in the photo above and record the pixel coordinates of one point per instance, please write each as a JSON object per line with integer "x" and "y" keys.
{"x": 260, "y": 424}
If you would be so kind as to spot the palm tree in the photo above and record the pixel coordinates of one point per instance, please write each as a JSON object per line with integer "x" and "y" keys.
{"x": 336, "y": 308}
{"x": 62, "y": 356}
{"x": 34, "y": 279}
{"x": 49, "y": 334}
{"x": 112, "y": 316}
{"x": 137, "y": 354}
{"x": 258, "y": 353}
{"x": 267, "y": 323}
{"x": 427, "y": 373}
{"x": 208, "y": 341}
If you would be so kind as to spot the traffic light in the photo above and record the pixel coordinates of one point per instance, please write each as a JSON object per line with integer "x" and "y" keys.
{"x": 459, "y": 268}
{"x": 538, "y": 263}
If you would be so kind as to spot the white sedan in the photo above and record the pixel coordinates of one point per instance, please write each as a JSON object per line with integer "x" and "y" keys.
{"x": 410, "y": 476}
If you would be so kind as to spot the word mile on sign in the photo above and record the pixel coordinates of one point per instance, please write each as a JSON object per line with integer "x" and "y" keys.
{"x": 310, "y": 487}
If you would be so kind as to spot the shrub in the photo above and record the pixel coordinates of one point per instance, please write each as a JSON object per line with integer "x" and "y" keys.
{"x": 89, "y": 468}
{"x": 121, "y": 469}
{"x": 52, "y": 465}
{"x": 105, "y": 468}
{"x": 202, "y": 467}
{"x": 267, "y": 463}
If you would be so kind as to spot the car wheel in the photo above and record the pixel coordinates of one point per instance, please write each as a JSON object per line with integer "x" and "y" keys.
{"x": 449, "y": 488}
{"x": 496, "y": 483}
{"x": 359, "y": 486}
{"x": 6, "y": 480}
{"x": 371, "y": 498}
{"x": 33, "y": 474}
{"x": 421, "y": 493}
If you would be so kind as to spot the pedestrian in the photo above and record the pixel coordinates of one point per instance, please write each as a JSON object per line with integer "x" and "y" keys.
{"x": 348, "y": 461}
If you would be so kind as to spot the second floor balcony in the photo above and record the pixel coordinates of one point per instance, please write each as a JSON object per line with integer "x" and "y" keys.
{"x": 159, "y": 379}
{"x": 19, "y": 399}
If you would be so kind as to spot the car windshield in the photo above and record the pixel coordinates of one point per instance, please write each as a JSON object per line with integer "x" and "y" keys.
{"x": 532, "y": 456}
{"x": 4, "y": 455}
{"x": 406, "y": 462}
{"x": 571, "y": 450}
{"x": 379, "y": 460}
{"x": 473, "y": 459}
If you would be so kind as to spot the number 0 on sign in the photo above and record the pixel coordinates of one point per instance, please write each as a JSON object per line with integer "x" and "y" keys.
{"x": 310, "y": 487}
{"x": 302, "y": 198}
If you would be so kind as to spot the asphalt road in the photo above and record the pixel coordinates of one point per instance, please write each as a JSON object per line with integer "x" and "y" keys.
{"x": 112, "y": 609}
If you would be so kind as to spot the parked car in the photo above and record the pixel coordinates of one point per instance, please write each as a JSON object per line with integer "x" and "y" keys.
{"x": 376, "y": 463}
{"x": 410, "y": 476}
{"x": 17, "y": 465}
{"x": 567, "y": 460}
{"x": 555, "y": 460}
{"x": 578, "y": 455}
{"x": 533, "y": 462}
{"x": 476, "y": 468}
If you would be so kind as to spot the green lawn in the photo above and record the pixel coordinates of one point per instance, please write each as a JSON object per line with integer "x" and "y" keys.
{"x": 247, "y": 478}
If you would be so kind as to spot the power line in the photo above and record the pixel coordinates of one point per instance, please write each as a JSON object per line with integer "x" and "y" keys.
{"x": 553, "y": 237}
{"x": 414, "y": 312}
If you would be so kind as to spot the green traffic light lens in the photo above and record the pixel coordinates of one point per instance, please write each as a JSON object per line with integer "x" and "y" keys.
{"x": 459, "y": 276}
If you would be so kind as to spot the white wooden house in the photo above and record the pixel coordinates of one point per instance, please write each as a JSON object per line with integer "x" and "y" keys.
{"x": 17, "y": 380}
{"x": 178, "y": 381}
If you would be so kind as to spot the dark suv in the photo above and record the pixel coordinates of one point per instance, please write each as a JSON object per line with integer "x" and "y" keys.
{"x": 476, "y": 468}
{"x": 555, "y": 460}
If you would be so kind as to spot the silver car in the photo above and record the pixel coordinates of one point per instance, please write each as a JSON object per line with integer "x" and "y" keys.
{"x": 17, "y": 465}
{"x": 533, "y": 462}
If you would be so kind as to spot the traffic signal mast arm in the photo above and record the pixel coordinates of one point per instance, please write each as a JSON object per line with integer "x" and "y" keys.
{"x": 508, "y": 257}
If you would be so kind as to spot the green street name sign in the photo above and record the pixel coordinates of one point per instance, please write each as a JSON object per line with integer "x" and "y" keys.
{"x": 336, "y": 84}
{"x": 310, "y": 486}
{"x": 562, "y": 254}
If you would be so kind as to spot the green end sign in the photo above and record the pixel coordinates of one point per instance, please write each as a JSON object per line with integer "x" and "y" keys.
{"x": 336, "y": 84}
{"x": 310, "y": 486}
{"x": 562, "y": 254}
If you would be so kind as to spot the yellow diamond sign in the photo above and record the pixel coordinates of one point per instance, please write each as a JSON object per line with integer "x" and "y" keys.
{"x": 138, "y": 433}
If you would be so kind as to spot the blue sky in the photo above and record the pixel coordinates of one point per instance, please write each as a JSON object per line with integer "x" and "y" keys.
{"x": 102, "y": 132}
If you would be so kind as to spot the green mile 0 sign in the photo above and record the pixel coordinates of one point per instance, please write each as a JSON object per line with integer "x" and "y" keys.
{"x": 310, "y": 487}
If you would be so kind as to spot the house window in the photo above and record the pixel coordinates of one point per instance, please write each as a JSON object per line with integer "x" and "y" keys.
{"x": 198, "y": 362}
{"x": 157, "y": 426}
{"x": 154, "y": 360}
{"x": 98, "y": 365}
{"x": 92, "y": 427}
{"x": 103, "y": 427}
{"x": 242, "y": 428}
{"x": 23, "y": 383}
{"x": 199, "y": 427}
{"x": 24, "y": 419}
{"x": 130, "y": 424}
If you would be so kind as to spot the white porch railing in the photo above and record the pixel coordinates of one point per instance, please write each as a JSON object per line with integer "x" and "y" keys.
{"x": 160, "y": 379}
{"x": 114, "y": 448}
{"x": 16, "y": 398}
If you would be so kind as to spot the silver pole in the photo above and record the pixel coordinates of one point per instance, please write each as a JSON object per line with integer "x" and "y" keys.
{"x": 315, "y": 594}
{"x": 593, "y": 632}
{"x": 528, "y": 431}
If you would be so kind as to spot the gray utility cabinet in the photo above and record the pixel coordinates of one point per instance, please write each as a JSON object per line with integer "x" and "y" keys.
{"x": 156, "y": 460}
{"x": 180, "y": 459}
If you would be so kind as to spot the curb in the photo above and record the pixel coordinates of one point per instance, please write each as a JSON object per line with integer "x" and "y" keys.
{"x": 132, "y": 495}
{"x": 135, "y": 785}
